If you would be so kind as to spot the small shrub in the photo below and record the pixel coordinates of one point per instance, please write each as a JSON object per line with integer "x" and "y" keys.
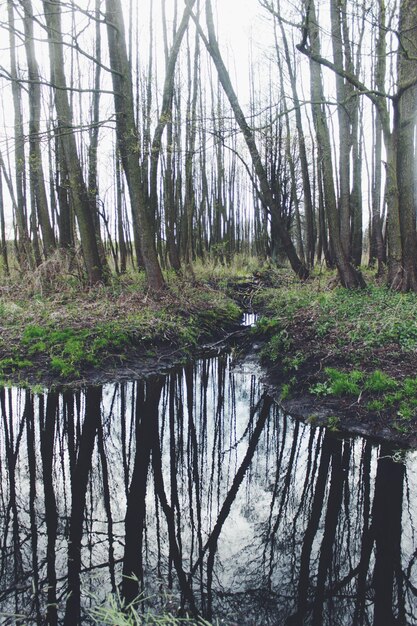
{"x": 285, "y": 392}
{"x": 410, "y": 387}
{"x": 277, "y": 346}
{"x": 333, "y": 423}
{"x": 375, "y": 405}
{"x": 378, "y": 382}
{"x": 63, "y": 367}
{"x": 321, "y": 389}
{"x": 342, "y": 383}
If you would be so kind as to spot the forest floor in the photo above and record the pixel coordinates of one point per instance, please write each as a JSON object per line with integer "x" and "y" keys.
{"x": 343, "y": 359}
{"x": 339, "y": 358}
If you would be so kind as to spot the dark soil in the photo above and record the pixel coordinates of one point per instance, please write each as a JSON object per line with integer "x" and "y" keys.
{"x": 136, "y": 362}
{"x": 344, "y": 414}
{"x": 347, "y": 414}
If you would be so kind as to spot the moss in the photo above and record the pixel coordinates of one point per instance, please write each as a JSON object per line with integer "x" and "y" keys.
{"x": 72, "y": 331}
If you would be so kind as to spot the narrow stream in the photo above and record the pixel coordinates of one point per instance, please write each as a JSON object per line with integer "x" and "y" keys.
{"x": 195, "y": 485}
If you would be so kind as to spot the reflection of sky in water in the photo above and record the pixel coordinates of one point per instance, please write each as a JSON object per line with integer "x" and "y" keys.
{"x": 313, "y": 523}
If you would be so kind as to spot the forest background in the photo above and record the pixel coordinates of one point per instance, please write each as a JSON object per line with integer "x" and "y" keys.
{"x": 133, "y": 137}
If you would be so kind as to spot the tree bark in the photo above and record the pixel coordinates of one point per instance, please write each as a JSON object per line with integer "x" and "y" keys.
{"x": 37, "y": 179}
{"x": 407, "y": 108}
{"x": 349, "y": 276}
{"x": 344, "y": 130}
{"x": 4, "y": 254}
{"x": 379, "y": 99}
{"x": 95, "y": 270}
{"x": 165, "y": 118}
{"x": 307, "y": 195}
{"x": 128, "y": 142}
{"x": 23, "y": 245}
{"x": 213, "y": 48}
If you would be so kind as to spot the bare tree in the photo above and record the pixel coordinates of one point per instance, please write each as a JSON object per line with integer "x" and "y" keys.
{"x": 349, "y": 276}
{"x": 37, "y": 177}
{"x": 267, "y": 194}
{"x": 96, "y": 271}
{"x": 23, "y": 246}
{"x": 127, "y": 138}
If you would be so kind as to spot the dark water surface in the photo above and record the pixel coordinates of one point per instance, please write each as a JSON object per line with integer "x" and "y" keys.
{"x": 195, "y": 482}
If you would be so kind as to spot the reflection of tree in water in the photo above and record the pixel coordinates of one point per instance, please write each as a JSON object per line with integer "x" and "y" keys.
{"x": 195, "y": 482}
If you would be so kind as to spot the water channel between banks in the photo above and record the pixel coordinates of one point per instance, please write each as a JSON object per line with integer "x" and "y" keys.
{"x": 198, "y": 485}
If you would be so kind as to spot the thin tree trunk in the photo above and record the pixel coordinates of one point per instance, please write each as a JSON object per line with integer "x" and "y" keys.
{"x": 119, "y": 213}
{"x": 349, "y": 276}
{"x": 344, "y": 130}
{"x": 4, "y": 253}
{"x": 213, "y": 48}
{"x": 37, "y": 179}
{"x": 23, "y": 245}
{"x": 407, "y": 69}
{"x": 127, "y": 138}
{"x": 164, "y": 119}
{"x": 307, "y": 195}
{"x": 379, "y": 99}
{"x": 95, "y": 270}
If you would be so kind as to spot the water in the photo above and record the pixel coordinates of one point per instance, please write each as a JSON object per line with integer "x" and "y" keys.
{"x": 199, "y": 486}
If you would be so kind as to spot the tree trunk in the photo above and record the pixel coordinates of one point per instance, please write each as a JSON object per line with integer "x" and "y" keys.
{"x": 23, "y": 245}
{"x": 78, "y": 189}
{"x": 407, "y": 70}
{"x": 307, "y": 195}
{"x": 349, "y": 276}
{"x": 344, "y": 130}
{"x": 165, "y": 118}
{"x": 127, "y": 138}
{"x": 37, "y": 179}
{"x": 377, "y": 243}
{"x": 4, "y": 254}
{"x": 212, "y": 46}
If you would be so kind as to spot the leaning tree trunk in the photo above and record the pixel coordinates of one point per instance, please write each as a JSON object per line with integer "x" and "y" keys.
{"x": 307, "y": 194}
{"x": 127, "y": 139}
{"x": 213, "y": 48}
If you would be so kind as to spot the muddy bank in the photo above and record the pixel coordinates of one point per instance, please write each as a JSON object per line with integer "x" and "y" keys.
{"x": 300, "y": 335}
{"x": 340, "y": 418}
{"x": 136, "y": 362}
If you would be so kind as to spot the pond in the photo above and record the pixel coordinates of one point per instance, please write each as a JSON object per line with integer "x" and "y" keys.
{"x": 195, "y": 488}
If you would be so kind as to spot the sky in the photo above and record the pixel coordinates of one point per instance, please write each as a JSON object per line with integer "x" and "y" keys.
{"x": 242, "y": 33}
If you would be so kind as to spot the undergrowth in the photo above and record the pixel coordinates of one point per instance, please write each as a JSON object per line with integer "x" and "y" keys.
{"x": 114, "y": 613}
{"x": 72, "y": 329}
{"x": 361, "y": 319}
{"x": 376, "y": 390}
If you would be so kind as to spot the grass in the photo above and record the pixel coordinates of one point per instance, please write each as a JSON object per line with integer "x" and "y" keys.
{"x": 332, "y": 342}
{"x": 354, "y": 383}
{"x": 379, "y": 391}
{"x": 362, "y": 320}
{"x": 140, "y": 612}
{"x": 112, "y": 614}
{"x": 71, "y": 329}
{"x": 369, "y": 318}
{"x": 357, "y": 347}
